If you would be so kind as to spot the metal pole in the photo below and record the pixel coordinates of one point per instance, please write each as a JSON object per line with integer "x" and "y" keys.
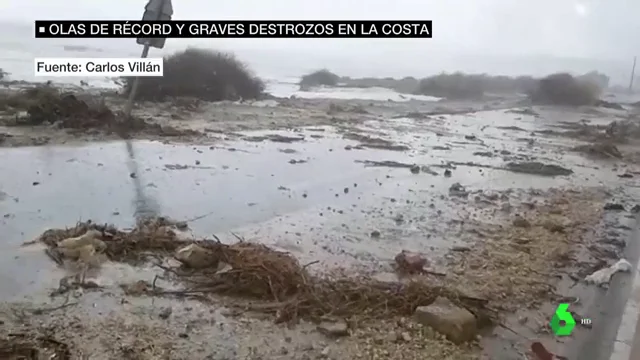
{"x": 134, "y": 87}
{"x": 633, "y": 74}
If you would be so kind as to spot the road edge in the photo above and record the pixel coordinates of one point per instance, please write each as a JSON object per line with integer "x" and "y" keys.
{"x": 627, "y": 342}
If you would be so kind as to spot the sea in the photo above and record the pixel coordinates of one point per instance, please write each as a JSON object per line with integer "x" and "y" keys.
{"x": 281, "y": 64}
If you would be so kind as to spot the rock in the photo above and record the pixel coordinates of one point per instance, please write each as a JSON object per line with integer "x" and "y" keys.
{"x": 541, "y": 352}
{"x": 91, "y": 237}
{"x": 614, "y": 206}
{"x": 635, "y": 209}
{"x": 325, "y": 353}
{"x": 83, "y": 253}
{"x": 165, "y": 312}
{"x": 521, "y": 222}
{"x": 457, "y": 324}
{"x": 182, "y": 225}
{"x": 458, "y": 190}
{"x": 334, "y": 329}
{"x": 447, "y": 173}
{"x": 554, "y": 226}
{"x": 196, "y": 257}
{"x": 537, "y": 168}
{"x": 405, "y": 336}
{"x": 410, "y": 262}
{"x": 415, "y": 169}
{"x": 375, "y": 234}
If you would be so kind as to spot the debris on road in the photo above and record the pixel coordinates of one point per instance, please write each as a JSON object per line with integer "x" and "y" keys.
{"x": 456, "y": 323}
{"x": 538, "y": 168}
{"x": 458, "y": 190}
{"x": 600, "y": 150}
{"x": 603, "y": 276}
{"x": 408, "y": 262}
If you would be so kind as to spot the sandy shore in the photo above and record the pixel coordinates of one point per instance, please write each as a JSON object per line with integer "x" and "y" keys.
{"x": 501, "y": 201}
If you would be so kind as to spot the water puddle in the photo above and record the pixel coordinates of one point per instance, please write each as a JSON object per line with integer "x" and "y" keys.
{"x": 315, "y": 197}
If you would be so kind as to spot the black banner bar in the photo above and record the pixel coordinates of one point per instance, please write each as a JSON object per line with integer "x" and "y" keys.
{"x": 232, "y": 29}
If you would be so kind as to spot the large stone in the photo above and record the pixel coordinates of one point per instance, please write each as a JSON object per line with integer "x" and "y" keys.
{"x": 196, "y": 257}
{"x": 334, "y": 329}
{"x": 456, "y": 323}
{"x": 410, "y": 262}
{"x": 91, "y": 237}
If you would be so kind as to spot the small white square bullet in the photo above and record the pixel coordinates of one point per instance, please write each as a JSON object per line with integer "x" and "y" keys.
{"x": 41, "y": 29}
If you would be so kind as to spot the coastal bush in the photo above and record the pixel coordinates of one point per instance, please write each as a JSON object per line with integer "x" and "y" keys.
{"x": 405, "y": 85}
{"x": 564, "y": 89}
{"x": 596, "y": 78}
{"x": 3, "y": 75}
{"x": 461, "y": 86}
{"x": 199, "y": 73}
{"x": 318, "y": 78}
{"x": 452, "y": 86}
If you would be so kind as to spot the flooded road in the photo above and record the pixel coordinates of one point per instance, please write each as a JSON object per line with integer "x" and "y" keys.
{"x": 351, "y": 195}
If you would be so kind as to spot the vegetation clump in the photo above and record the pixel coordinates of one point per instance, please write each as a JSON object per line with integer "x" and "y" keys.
{"x": 565, "y": 89}
{"x": 321, "y": 77}
{"x": 453, "y": 86}
{"x": 203, "y": 74}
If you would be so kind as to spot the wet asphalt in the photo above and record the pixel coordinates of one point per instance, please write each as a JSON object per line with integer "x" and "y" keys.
{"x": 314, "y": 197}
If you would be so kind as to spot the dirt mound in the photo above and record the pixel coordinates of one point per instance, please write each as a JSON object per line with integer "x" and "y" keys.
{"x": 203, "y": 74}
{"x": 564, "y": 89}
{"x": 254, "y": 271}
{"x": 319, "y": 77}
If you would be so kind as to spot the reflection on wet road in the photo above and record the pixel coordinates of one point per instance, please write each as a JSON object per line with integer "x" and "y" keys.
{"x": 310, "y": 197}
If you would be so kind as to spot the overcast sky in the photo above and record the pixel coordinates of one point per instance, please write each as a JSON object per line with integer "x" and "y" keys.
{"x": 585, "y": 28}
{"x": 594, "y": 29}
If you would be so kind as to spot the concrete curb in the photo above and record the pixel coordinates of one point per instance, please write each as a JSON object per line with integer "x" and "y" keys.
{"x": 627, "y": 343}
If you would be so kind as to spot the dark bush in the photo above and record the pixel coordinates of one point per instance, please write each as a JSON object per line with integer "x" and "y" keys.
{"x": 453, "y": 86}
{"x": 204, "y": 74}
{"x": 564, "y": 89}
{"x": 3, "y": 75}
{"x": 404, "y": 85}
{"x": 319, "y": 77}
{"x": 600, "y": 80}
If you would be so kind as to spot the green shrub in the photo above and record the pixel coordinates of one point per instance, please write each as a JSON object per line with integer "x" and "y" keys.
{"x": 204, "y": 74}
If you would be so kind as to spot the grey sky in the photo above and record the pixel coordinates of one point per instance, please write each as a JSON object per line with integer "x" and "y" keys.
{"x": 510, "y": 37}
{"x": 584, "y": 28}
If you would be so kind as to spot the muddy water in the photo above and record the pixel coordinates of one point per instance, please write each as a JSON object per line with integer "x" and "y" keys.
{"x": 311, "y": 197}
{"x": 315, "y": 198}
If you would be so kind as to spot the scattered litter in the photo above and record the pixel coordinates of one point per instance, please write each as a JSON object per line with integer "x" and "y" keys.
{"x": 458, "y": 190}
{"x": 603, "y": 276}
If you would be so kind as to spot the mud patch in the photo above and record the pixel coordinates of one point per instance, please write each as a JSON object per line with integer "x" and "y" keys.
{"x": 375, "y": 142}
{"x": 538, "y": 168}
{"x": 274, "y": 138}
{"x": 396, "y": 164}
